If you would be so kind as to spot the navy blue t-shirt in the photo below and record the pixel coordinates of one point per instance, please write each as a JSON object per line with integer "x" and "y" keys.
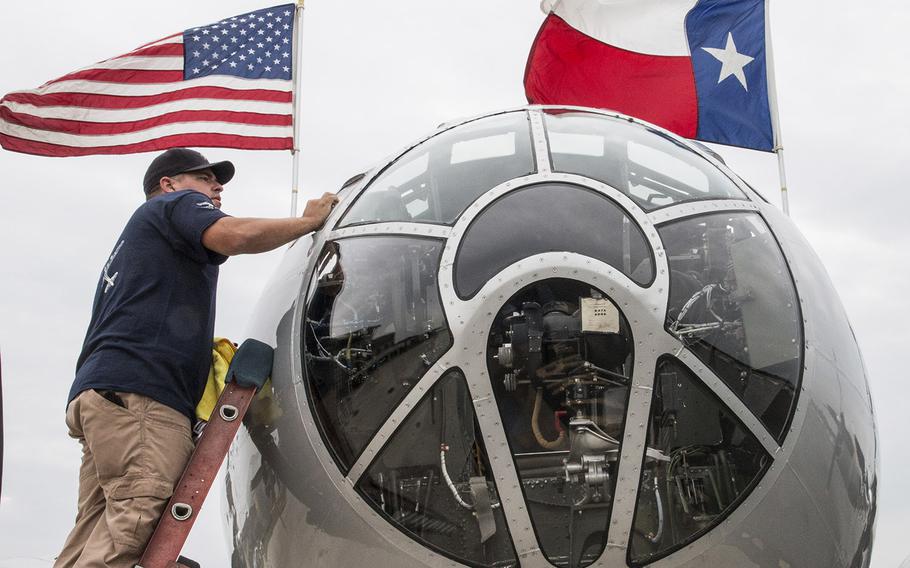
{"x": 154, "y": 311}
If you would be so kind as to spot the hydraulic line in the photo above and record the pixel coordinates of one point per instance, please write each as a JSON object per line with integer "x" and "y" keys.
{"x": 538, "y": 435}
{"x": 451, "y": 484}
{"x": 706, "y": 291}
{"x": 452, "y": 488}
{"x": 660, "y": 514}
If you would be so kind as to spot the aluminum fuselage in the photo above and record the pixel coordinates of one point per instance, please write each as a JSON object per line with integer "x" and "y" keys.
{"x": 288, "y": 504}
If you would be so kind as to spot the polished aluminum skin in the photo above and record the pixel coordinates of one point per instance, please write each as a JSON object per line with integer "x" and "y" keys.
{"x": 781, "y": 473}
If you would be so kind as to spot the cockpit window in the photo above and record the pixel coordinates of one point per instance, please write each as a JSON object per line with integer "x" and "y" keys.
{"x": 436, "y": 180}
{"x": 550, "y": 217}
{"x": 560, "y": 361}
{"x": 700, "y": 463}
{"x": 374, "y": 325}
{"x": 651, "y": 168}
{"x": 733, "y": 303}
{"x": 433, "y": 480}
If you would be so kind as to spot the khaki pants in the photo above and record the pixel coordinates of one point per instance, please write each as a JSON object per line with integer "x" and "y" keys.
{"x": 132, "y": 458}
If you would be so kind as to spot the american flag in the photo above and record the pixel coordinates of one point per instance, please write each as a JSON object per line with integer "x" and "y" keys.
{"x": 226, "y": 84}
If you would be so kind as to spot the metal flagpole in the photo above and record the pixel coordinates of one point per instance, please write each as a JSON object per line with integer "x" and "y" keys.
{"x": 295, "y": 66}
{"x": 775, "y": 118}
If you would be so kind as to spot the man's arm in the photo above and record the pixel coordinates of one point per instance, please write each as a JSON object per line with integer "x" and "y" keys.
{"x": 245, "y": 235}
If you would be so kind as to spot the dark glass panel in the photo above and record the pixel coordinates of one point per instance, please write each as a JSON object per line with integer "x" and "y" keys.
{"x": 436, "y": 180}
{"x": 648, "y": 166}
{"x": 374, "y": 325}
{"x": 550, "y": 217}
{"x": 701, "y": 462}
{"x": 733, "y": 303}
{"x": 560, "y": 357}
{"x": 433, "y": 480}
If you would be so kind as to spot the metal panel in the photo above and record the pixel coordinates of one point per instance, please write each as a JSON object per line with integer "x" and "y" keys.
{"x": 692, "y": 208}
{"x": 471, "y": 321}
{"x": 539, "y": 137}
{"x": 395, "y": 228}
{"x": 781, "y": 532}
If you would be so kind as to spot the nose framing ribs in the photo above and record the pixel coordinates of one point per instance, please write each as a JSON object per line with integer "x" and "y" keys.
{"x": 549, "y": 337}
{"x": 572, "y": 278}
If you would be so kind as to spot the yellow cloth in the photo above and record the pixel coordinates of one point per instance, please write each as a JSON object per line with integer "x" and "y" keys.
{"x": 222, "y": 352}
{"x": 266, "y": 412}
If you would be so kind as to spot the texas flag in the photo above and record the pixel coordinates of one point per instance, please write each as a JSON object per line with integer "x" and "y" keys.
{"x": 695, "y": 67}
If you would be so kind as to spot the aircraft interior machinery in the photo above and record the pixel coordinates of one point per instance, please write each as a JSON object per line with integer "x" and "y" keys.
{"x": 554, "y": 336}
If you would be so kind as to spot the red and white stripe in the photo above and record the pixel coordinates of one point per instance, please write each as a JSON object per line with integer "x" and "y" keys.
{"x": 139, "y": 102}
{"x": 625, "y": 55}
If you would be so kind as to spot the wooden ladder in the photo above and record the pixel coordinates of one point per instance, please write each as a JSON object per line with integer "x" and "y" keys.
{"x": 249, "y": 369}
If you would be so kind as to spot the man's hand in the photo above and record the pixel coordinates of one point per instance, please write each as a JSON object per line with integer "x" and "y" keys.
{"x": 317, "y": 210}
{"x": 238, "y": 235}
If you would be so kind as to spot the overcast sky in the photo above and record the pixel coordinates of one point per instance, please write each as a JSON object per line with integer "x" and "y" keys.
{"x": 377, "y": 75}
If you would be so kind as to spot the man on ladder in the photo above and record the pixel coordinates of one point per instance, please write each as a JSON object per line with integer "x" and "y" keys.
{"x": 147, "y": 351}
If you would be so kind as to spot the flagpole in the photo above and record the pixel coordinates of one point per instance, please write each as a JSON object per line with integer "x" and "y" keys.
{"x": 775, "y": 118}
{"x": 784, "y": 201}
{"x": 295, "y": 67}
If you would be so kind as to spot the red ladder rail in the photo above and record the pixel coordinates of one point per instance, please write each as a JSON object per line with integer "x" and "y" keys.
{"x": 178, "y": 518}
{"x": 249, "y": 369}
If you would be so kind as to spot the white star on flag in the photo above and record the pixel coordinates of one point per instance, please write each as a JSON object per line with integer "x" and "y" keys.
{"x": 732, "y": 61}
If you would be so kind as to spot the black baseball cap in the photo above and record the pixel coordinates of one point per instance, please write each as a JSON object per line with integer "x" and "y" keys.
{"x": 178, "y": 161}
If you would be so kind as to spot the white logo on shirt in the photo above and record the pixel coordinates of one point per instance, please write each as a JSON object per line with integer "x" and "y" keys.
{"x": 205, "y": 205}
{"x": 108, "y": 279}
